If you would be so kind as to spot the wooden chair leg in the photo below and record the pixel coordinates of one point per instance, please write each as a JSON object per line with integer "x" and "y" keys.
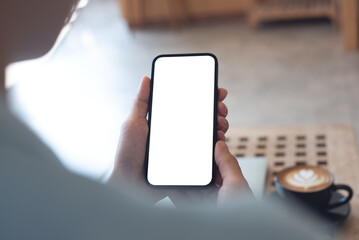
{"x": 135, "y": 13}
{"x": 252, "y": 21}
{"x": 177, "y": 12}
{"x": 350, "y": 24}
{"x": 334, "y": 16}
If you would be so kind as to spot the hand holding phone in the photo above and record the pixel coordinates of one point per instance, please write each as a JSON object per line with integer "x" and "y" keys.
{"x": 182, "y": 120}
{"x": 130, "y": 166}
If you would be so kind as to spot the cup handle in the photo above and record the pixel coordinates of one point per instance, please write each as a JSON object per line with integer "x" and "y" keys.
{"x": 343, "y": 200}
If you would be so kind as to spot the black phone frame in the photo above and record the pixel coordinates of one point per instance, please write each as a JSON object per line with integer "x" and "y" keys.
{"x": 214, "y": 120}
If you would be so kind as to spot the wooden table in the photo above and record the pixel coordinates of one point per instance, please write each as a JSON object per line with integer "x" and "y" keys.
{"x": 332, "y": 147}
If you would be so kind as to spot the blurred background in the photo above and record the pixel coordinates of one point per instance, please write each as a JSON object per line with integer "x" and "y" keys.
{"x": 284, "y": 62}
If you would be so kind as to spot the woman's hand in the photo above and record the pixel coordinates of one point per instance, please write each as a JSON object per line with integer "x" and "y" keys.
{"x": 130, "y": 157}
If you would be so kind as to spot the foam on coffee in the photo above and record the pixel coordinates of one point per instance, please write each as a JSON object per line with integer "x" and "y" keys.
{"x": 304, "y": 178}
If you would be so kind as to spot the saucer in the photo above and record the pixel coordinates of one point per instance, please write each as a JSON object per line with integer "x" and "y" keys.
{"x": 333, "y": 217}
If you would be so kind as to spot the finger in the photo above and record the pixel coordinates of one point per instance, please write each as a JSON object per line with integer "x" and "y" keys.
{"x": 222, "y": 94}
{"x": 220, "y": 135}
{"x": 227, "y": 165}
{"x": 140, "y": 108}
{"x": 218, "y": 179}
{"x": 222, "y": 109}
{"x": 222, "y": 124}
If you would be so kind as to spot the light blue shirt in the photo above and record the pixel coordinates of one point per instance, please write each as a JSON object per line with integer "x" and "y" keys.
{"x": 40, "y": 199}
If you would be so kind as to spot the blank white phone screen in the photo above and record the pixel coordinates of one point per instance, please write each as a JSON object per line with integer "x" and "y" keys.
{"x": 182, "y": 121}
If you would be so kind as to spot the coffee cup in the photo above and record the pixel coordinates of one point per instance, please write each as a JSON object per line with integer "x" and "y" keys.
{"x": 311, "y": 185}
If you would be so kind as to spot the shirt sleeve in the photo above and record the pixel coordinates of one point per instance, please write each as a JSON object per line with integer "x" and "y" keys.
{"x": 40, "y": 199}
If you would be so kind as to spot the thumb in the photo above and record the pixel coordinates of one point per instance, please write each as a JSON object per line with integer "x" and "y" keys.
{"x": 140, "y": 108}
{"x": 228, "y": 165}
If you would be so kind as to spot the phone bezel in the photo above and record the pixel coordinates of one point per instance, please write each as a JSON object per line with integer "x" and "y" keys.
{"x": 214, "y": 119}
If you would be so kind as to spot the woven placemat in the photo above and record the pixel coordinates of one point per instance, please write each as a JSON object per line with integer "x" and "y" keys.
{"x": 332, "y": 147}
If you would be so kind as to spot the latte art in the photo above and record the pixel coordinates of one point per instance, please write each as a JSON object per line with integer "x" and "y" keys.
{"x": 304, "y": 178}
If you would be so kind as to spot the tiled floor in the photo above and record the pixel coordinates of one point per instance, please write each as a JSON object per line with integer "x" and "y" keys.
{"x": 280, "y": 74}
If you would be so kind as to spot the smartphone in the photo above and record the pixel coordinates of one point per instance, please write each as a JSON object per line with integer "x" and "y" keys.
{"x": 182, "y": 120}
